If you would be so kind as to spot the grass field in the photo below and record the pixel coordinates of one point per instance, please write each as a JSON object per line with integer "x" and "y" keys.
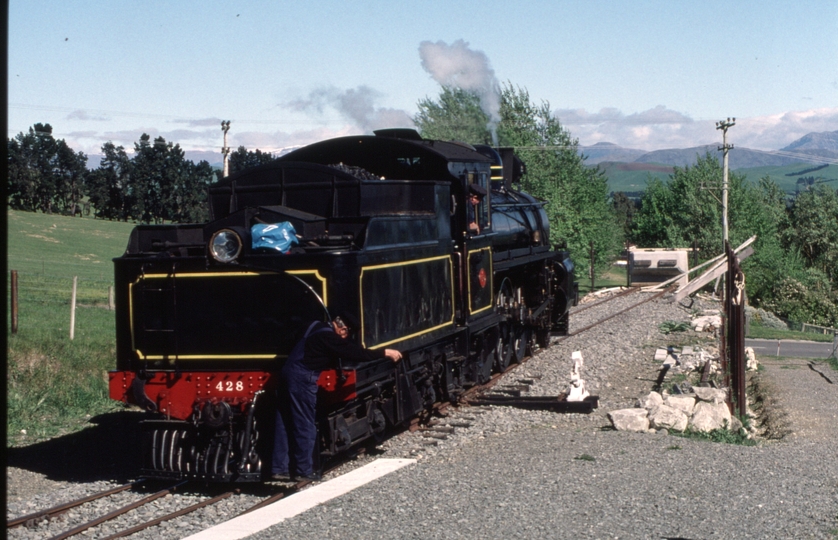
{"x": 614, "y": 277}
{"x": 55, "y": 384}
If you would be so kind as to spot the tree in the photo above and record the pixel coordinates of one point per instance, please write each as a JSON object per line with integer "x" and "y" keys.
{"x": 243, "y": 159}
{"x": 624, "y": 210}
{"x": 44, "y": 174}
{"x": 111, "y": 192}
{"x": 813, "y": 228}
{"x": 455, "y": 116}
{"x": 576, "y": 196}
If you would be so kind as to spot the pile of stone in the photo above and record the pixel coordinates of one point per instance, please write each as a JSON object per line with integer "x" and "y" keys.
{"x": 693, "y": 358}
{"x": 687, "y": 359}
{"x": 703, "y": 410}
{"x": 708, "y": 322}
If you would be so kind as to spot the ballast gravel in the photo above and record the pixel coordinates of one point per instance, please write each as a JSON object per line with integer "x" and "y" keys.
{"x": 531, "y": 474}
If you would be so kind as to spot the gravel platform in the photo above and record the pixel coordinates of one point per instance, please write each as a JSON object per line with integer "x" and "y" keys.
{"x": 533, "y": 474}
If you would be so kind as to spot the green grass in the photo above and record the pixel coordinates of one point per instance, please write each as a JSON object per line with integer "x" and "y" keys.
{"x": 762, "y": 332}
{"x": 614, "y": 277}
{"x": 632, "y": 177}
{"x": 717, "y": 435}
{"x": 55, "y": 384}
{"x": 789, "y": 183}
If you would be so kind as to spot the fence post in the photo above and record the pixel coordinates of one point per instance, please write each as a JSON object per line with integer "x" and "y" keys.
{"x": 14, "y": 301}
{"x": 73, "y": 308}
{"x": 110, "y": 298}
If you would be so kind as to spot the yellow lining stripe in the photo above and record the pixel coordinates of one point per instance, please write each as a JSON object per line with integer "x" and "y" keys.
{"x": 208, "y": 356}
{"x": 317, "y": 276}
{"x": 403, "y": 338}
{"x": 406, "y": 263}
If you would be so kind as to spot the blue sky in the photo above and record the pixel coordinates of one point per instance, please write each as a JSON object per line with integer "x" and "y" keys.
{"x": 642, "y": 74}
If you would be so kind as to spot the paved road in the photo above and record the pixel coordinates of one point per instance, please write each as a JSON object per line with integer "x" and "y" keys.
{"x": 787, "y": 347}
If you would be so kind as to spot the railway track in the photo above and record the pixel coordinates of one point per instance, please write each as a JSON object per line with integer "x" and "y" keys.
{"x": 614, "y": 314}
{"x": 35, "y": 519}
{"x": 432, "y": 427}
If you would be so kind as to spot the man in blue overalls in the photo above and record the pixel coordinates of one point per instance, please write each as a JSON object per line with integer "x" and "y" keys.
{"x": 320, "y": 348}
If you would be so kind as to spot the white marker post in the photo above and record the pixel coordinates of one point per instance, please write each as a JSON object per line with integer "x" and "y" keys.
{"x": 73, "y": 308}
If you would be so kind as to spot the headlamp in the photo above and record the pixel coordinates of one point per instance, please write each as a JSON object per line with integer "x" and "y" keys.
{"x": 225, "y": 245}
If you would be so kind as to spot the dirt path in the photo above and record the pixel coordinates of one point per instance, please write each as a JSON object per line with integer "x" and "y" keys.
{"x": 807, "y": 391}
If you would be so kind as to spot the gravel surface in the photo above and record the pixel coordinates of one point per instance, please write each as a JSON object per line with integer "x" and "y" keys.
{"x": 533, "y": 474}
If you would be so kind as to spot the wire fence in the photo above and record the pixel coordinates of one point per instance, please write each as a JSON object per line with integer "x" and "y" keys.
{"x": 57, "y": 290}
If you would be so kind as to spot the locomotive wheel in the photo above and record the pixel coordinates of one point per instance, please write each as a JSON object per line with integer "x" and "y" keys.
{"x": 504, "y": 349}
{"x": 522, "y": 336}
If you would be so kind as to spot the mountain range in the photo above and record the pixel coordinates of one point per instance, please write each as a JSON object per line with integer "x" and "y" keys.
{"x": 807, "y": 148}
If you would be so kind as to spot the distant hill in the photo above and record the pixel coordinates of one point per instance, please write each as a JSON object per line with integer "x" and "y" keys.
{"x": 785, "y": 166}
{"x": 739, "y": 158}
{"x": 824, "y": 144}
{"x": 814, "y": 144}
{"x": 605, "y": 151}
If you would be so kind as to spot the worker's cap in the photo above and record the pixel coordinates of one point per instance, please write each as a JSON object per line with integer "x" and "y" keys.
{"x": 476, "y": 189}
{"x": 348, "y": 320}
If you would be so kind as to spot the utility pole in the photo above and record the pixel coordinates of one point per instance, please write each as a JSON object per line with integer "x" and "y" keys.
{"x": 225, "y": 151}
{"x": 724, "y": 125}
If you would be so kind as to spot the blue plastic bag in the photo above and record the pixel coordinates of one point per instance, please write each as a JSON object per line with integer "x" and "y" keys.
{"x": 275, "y": 236}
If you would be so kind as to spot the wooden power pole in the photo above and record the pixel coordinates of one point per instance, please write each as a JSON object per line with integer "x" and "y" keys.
{"x": 225, "y": 151}
{"x": 724, "y": 125}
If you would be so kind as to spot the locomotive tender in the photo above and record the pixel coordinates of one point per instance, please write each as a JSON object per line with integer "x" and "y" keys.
{"x": 204, "y": 320}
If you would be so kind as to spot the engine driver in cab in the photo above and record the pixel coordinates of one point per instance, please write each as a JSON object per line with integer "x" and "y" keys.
{"x": 476, "y": 193}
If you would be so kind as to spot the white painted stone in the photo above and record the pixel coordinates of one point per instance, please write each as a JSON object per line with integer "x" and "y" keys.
{"x": 752, "y": 363}
{"x": 577, "y": 391}
{"x": 661, "y": 354}
{"x": 666, "y": 417}
{"x": 630, "y": 420}
{"x": 684, "y": 403}
{"x": 709, "y": 416}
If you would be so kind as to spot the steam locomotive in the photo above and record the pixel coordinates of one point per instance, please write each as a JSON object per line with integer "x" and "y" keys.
{"x": 206, "y": 313}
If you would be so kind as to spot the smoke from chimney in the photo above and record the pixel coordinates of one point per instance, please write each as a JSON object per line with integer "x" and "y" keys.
{"x": 458, "y": 66}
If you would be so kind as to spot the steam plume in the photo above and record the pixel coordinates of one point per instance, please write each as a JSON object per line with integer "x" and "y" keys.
{"x": 457, "y": 65}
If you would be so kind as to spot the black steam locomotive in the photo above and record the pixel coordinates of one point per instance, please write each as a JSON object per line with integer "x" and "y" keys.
{"x": 206, "y": 313}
